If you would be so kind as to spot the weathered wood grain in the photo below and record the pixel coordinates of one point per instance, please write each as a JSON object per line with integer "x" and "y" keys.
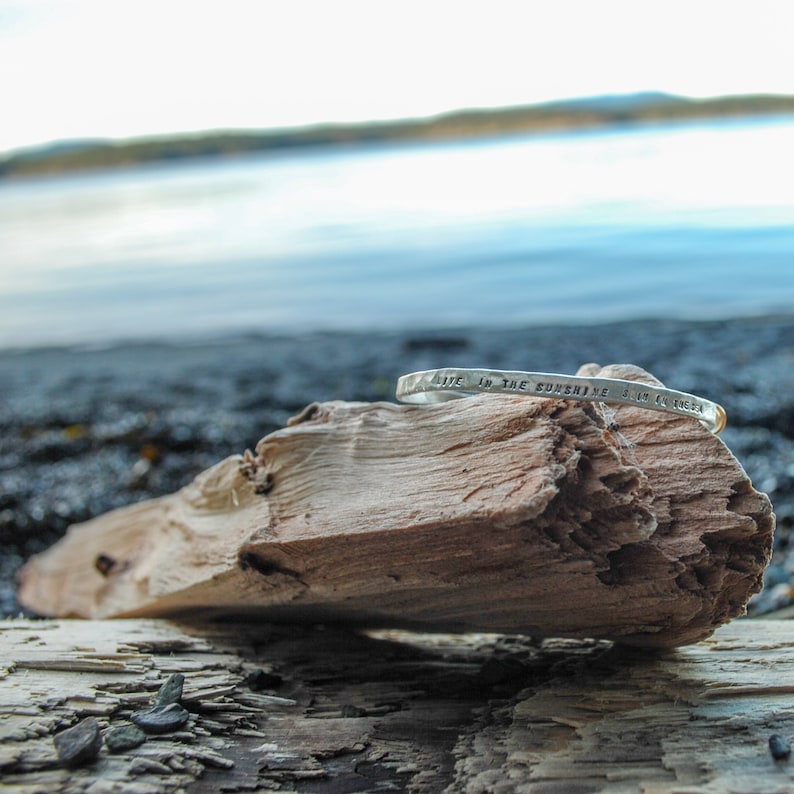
{"x": 543, "y": 517}
{"x": 313, "y": 709}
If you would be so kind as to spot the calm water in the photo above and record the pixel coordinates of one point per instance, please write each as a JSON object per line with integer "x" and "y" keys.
{"x": 685, "y": 221}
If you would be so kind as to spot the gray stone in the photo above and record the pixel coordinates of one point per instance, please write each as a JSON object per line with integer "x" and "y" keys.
{"x": 161, "y": 719}
{"x": 124, "y": 737}
{"x": 779, "y": 747}
{"x": 170, "y": 691}
{"x": 80, "y": 743}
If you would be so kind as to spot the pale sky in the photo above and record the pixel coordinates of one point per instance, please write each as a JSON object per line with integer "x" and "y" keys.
{"x": 124, "y": 68}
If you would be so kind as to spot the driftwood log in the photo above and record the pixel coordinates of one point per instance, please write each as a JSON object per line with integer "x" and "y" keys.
{"x": 501, "y": 514}
{"x": 308, "y": 710}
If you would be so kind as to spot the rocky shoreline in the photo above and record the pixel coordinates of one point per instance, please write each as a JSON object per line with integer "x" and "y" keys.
{"x": 88, "y": 430}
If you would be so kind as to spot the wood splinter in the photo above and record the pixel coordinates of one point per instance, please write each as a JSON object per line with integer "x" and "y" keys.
{"x": 501, "y": 514}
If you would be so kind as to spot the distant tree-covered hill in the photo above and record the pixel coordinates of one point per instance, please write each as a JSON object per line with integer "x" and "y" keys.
{"x": 554, "y": 116}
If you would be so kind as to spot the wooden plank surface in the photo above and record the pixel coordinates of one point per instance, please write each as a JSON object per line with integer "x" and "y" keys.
{"x": 323, "y": 709}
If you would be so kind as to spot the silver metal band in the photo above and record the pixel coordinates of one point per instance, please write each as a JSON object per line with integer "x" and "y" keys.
{"x": 440, "y": 385}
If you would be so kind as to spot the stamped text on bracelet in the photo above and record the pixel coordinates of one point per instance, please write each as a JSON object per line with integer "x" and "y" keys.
{"x": 541, "y": 388}
{"x": 445, "y": 384}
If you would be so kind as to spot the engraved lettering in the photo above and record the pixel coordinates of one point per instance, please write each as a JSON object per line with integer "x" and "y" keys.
{"x": 514, "y": 385}
{"x": 486, "y": 383}
{"x": 637, "y": 397}
{"x": 561, "y": 389}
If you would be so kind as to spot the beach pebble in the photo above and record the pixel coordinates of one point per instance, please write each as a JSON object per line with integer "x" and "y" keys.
{"x": 161, "y": 719}
{"x": 124, "y": 737}
{"x": 779, "y": 747}
{"x": 170, "y": 691}
{"x": 80, "y": 743}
